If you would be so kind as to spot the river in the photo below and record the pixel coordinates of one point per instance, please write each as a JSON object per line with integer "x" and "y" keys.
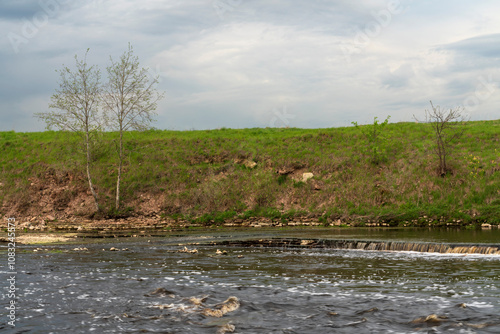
{"x": 173, "y": 284}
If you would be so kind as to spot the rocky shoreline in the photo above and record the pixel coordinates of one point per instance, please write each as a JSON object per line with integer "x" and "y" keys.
{"x": 158, "y": 223}
{"x": 34, "y": 224}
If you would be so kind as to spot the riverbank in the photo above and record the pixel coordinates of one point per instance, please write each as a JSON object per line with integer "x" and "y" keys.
{"x": 255, "y": 177}
{"x": 46, "y": 232}
{"x": 256, "y": 232}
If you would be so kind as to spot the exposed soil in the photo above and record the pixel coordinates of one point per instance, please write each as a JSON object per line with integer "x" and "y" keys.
{"x": 60, "y": 201}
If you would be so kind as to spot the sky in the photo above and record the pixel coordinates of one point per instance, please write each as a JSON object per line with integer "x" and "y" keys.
{"x": 262, "y": 63}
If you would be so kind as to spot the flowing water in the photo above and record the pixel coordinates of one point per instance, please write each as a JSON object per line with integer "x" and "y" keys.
{"x": 301, "y": 283}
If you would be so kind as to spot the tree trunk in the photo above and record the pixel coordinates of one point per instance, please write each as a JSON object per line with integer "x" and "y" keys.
{"x": 89, "y": 177}
{"x": 120, "y": 163}
{"x": 442, "y": 157}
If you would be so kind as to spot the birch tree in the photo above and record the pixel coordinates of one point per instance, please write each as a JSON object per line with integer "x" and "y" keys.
{"x": 130, "y": 100}
{"x": 75, "y": 107}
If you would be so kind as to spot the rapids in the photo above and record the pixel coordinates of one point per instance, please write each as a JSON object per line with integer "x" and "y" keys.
{"x": 308, "y": 285}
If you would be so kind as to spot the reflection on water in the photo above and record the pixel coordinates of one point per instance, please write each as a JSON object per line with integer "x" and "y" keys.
{"x": 278, "y": 290}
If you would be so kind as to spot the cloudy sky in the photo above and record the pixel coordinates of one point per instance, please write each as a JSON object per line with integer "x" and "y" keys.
{"x": 262, "y": 63}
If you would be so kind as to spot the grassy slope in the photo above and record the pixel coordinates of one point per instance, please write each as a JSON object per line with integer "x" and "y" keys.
{"x": 195, "y": 173}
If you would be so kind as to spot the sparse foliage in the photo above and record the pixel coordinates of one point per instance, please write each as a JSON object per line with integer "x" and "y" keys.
{"x": 375, "y": 138}
{"x": 448, "y": 127}
{"x": 130, "y": 100}
{"x": 75, "y": 107}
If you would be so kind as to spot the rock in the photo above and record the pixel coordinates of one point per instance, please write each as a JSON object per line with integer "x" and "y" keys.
{"x": 186, "y": 250}
{"x": 433, "y": 318}
{"x": 307, "y": 176}
{"x": 50, "y": 218}
{"x": 227, "y": 328}
{"x": 250, "y": 164}
{"x": 373, "y": 309}
{"x": 198, "y": 301}
{"x": 229, "y": 305}
{"x": 113, "y": 249}
{"x": 285, "y": 171}
{"x": 163, "y": 306}
{"x": 161, "y": 292}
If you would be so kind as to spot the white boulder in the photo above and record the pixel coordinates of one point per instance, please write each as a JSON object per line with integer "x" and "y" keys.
{"x": 307, "y": 176}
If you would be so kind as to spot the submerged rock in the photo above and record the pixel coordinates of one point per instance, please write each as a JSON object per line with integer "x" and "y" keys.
{"x": 227, "y": 328}
{"x": 163, "y": 306}
{"x": 356, "y": 322}
{"x": 229, "y": 305}
{"x": 430, "y": 319}
{"x": 161, "y": 292}
{"x": 373, "y": 309}
{"x": 198, "y": 301}
{"x": 187, "y": 250}
{"x": 483, "y": 325}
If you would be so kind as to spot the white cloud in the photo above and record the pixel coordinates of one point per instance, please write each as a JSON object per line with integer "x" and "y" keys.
{"x": 262, "y": 56}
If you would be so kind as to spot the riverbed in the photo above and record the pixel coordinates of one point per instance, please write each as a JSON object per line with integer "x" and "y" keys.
{"x": 170, "y": 284}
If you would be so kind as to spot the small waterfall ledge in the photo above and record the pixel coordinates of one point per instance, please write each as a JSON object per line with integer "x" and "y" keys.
{"x": 371, "y": 245}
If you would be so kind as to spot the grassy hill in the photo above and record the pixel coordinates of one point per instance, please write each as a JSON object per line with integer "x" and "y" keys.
{"x": 207, "y": 175}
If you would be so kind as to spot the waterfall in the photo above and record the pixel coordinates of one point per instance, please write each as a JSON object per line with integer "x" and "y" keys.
{"x": 423, "y": 247}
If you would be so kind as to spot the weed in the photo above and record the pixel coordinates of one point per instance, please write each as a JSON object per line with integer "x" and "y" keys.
{"x": 375, "y": 137}
{"x": 282, "y": 179}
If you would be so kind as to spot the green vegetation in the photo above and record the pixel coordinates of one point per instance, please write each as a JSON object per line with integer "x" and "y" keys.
{"x": 202, "y": 176}
{"x": 375, "y": 140}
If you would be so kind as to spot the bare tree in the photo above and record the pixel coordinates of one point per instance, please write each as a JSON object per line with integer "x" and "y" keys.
{"x": 448, "y": 128}
{"x": 75, "y": 108}
{"x": 130, "y": 100}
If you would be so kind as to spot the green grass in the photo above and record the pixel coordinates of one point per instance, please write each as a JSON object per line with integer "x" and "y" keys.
{"x": 200, "y": 174}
